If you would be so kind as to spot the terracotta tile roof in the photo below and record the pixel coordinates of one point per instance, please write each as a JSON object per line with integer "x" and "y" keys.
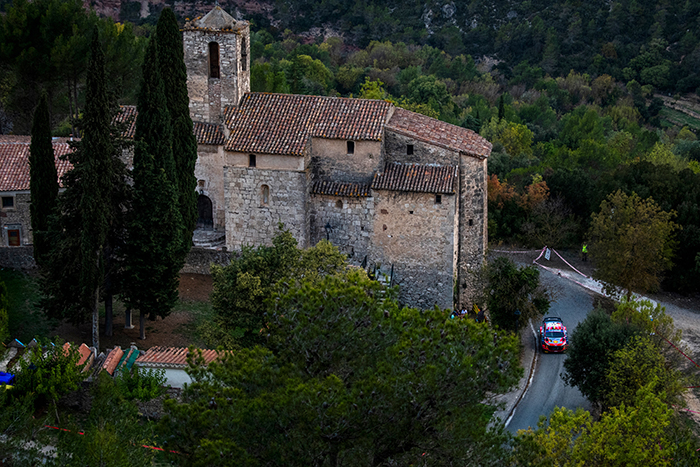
{"x": 14, "y": 162}
{"x": 113, "y": 360}
{"x": 171, "y": 357}
{"x": 282, "y": 123}
{"x": 127, "y": 115}
{"x": 439, "y": 133}
{"x": 206, "y": 133}
{"x": 340, "y": 189}
{"x": 417, "y": 178}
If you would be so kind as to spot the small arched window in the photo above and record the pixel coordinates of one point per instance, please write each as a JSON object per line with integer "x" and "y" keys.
{"x": 339, "y": 204}
{"x": 214, "y": 71}
{"x": 265, "y": 194}
{"x": 351, "y": 147}
{"x": 244, "y": 55}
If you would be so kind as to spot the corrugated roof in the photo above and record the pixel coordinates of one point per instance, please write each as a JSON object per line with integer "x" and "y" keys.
{"x": 439, "y": 133}
{"x": 206, "y": 133}
{"x": 282, "y": 123}
{"x": 171, "y": 357}
{"x": 320, "y": 187}
{"x": 416, "y": 178}
{"x": 14, "y": 162}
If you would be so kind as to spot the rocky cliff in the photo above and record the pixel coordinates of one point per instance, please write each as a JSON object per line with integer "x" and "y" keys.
{"x": 147, "y": 11}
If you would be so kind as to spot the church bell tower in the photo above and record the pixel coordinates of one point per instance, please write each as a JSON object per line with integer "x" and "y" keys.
{"x": 217, "y": 51}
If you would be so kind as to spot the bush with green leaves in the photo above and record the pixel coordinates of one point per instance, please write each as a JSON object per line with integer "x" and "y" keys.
{"x": 141, "y": 384}
{"x": 510, "y": 289}
{"x": 349, "y": 379}
{"x": 592, "y": 345}
{"x": 242, "y": 288}
{"x": 640, "y": 433}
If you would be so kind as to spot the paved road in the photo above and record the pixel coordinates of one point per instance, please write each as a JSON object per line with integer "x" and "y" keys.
{"x": 547, "y": 389}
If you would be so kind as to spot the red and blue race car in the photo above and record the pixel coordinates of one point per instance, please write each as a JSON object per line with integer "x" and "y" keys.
{"x": 552, "y": 336}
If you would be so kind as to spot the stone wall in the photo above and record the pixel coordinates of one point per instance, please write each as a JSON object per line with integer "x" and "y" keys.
{"x": 423, "y": 153}
{"x": 330, "y": 160}
{"x": 18, "y": 257}
{"x": 210, "y": 96}
{"x": 209, "y": 171}
{"x": 199, "y": 260}
{"x": 250, "y": 221}
{"x": 473, "y": 233}
{"x": 17, "y": 217}
{"x": 351, "y": 221}
{"x": 416, "y": 235}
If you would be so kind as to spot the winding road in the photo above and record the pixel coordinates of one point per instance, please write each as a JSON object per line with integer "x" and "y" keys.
{"x": 547, "y": 389}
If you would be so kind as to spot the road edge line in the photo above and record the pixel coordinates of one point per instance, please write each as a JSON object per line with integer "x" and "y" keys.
{"x": 529, "y": 379}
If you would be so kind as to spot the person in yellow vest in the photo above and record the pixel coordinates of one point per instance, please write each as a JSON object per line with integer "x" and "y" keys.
{"x": 584, "y": 252}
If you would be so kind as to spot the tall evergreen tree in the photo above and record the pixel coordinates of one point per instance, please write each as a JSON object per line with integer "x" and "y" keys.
{"x": 43, "y": 179}
{"x": 154, "y": 238}
{"x": 172, "y": 68}
{"x": 76, "y": 270}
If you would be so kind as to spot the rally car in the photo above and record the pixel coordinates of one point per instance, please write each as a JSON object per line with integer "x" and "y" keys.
{"x": 552, "y": 336}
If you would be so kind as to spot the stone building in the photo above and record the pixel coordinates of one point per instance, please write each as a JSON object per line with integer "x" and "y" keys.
{"x": 392, "y": 189}
{"x": 15, "y": 218}
{"x": 399, "y": 192}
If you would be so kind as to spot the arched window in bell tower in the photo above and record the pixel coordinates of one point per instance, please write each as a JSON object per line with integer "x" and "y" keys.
{"x": 214, "y": 71}
{"x": 244, "y": 54}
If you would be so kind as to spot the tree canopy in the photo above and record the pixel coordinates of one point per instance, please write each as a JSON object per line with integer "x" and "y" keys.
{"x": 632, "y": 242}
{"x": 349, "y": 379}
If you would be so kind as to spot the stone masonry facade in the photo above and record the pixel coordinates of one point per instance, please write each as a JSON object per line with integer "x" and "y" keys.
{"x": 251, "y": 219}
{"x": 392, "y": 189}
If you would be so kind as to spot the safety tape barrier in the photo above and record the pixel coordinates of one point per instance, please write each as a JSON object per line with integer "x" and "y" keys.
{"x": 514, "y": 251}
{"x": 555, "y": 251}
{"x": 155, "y": 448}
{"x": 541, "y": 253}
{"x": 682, "y": 353}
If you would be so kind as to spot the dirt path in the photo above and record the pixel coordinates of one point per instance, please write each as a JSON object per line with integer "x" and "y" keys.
{"x": 173, "y": 331}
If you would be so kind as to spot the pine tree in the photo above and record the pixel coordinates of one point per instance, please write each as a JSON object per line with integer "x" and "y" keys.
{"x": 73, "y": 279}
{"x": 43, "y": 179}
{"x": 174, "y": 74}
{"x": 154, "y": 228}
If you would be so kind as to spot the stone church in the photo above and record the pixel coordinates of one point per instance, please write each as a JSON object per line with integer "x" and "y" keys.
{"x": 392, "y": 189}
{"x": 399, "y": 193}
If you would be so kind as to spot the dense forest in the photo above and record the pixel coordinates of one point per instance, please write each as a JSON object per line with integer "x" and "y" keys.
{"x": 575, "y": 96}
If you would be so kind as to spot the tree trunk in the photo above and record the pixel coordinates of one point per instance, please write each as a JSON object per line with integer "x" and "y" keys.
{"x": 108, "y": 292}
{"x": 108, "y": 315}
{"x": 127, "y": 319}
{"x": 96, "y": 322}
{"x": 142, "y": 331}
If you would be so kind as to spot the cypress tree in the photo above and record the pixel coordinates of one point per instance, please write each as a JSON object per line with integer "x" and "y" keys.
{"x": 154, "y": 238}
{"x": 76, "y": 271}
{"x": 43, "y": 179}
{"x": 173, "y": 71}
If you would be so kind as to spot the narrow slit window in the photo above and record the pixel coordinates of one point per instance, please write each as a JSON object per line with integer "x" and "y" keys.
{"x": 265, "y": 194}
{"x": 351, "y": 147}
{"x": 438, "y": 199}
{"x": 214, "y": 71}
{"x": 251, "y": 160}
{"x": 244, "y": 55}
{"x": 409, "y": 149}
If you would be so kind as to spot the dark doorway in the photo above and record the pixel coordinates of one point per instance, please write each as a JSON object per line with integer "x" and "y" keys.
{"x": 204, "y": 209}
